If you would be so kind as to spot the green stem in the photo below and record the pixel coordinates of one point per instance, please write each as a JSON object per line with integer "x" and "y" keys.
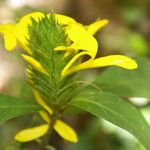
{"x": 46, "y": 138}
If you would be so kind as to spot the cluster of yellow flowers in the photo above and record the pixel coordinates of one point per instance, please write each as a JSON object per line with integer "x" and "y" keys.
{"x": 82, "y": 43}
{"x": 81, "y": 36}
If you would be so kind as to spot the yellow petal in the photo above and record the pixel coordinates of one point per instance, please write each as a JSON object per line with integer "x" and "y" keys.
{"x": 25, "y": 47}
{"x": 21, "y": 29}
{"x": 25, "y": 21}
{"x": 10, "y": 42}
{"x": 112, "y": 60}
{"x": 9, "y": 38}
{"x": 31, "y": 134}
{"x": 69, "y": 49}
{"x": 22, "y": 32}
{"x": 62, "y": 48}
{"x": 41, "y": 101}
{"x": 34, "y": 63}
{"x": 97, "y": 25}
{"x": 65, "y": 131}
{"x": 83, "y": 39}
{"x": 61, "y": 19}
{"x": 44, "y": 116}
{"x": 7, "y": 28}
{"x": 71, "y": 62}
{"x": 115, "y": 60}
{"x": 64, "y": 20}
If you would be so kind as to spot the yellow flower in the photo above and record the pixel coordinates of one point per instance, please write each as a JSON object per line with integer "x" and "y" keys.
{"x": 18, "y": 33}
{"x": 83, "y": 40}
{"x": 30, "y": 134}
{"x": 81, "y": 37}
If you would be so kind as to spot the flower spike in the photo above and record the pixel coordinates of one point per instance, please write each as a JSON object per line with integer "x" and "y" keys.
{"x": 55, "y": 46}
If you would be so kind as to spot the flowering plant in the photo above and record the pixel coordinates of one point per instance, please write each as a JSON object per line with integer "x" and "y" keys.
{"x": 55, "y": 47}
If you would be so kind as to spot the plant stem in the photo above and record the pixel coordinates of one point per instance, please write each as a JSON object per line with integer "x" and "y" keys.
{"x": 46, "y": 138}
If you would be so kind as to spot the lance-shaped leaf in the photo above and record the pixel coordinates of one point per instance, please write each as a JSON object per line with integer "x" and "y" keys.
{"x": 114, "y": 109}
{"x": 11, "y": 107}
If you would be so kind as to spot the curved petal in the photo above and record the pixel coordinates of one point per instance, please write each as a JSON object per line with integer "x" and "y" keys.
{"x": 22, "y": 33}
{"x": 9, "y": 38}
{"x": 112, "y": 60}
{"x": 97, "y": 25}
{"x": 24, "y": 22}
{"x": 72, "y": 47}
{"x": 115, "y": 60}
{"x": 66, "y": 48}
{"x": 45, "y": 116}
{"x": 26, "y": 19}
{"x": 64, "y": 20}
{"x": 31, "y": 134}
{"x": 34, "y": 63}
{"x": 83, "y": 39}
{"x": 10, "y": 42}
{"x": 69, "y": 50}
{"x": 7, "y": 28}
{"x": 85, "y": 65}
{"x": 21, "y": 29}
{"x": 70, "y": 63}
{"x": 41, "y": 101}
{"x": 25, "y": 47}
{"x": 65, "y": 131}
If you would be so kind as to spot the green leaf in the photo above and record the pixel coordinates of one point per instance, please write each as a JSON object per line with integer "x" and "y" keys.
{"x": 127, "y": 83}
{"x": 114, "y": 109}
{"x": 11, "y": 107}
{"x": 137, "y": 43}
